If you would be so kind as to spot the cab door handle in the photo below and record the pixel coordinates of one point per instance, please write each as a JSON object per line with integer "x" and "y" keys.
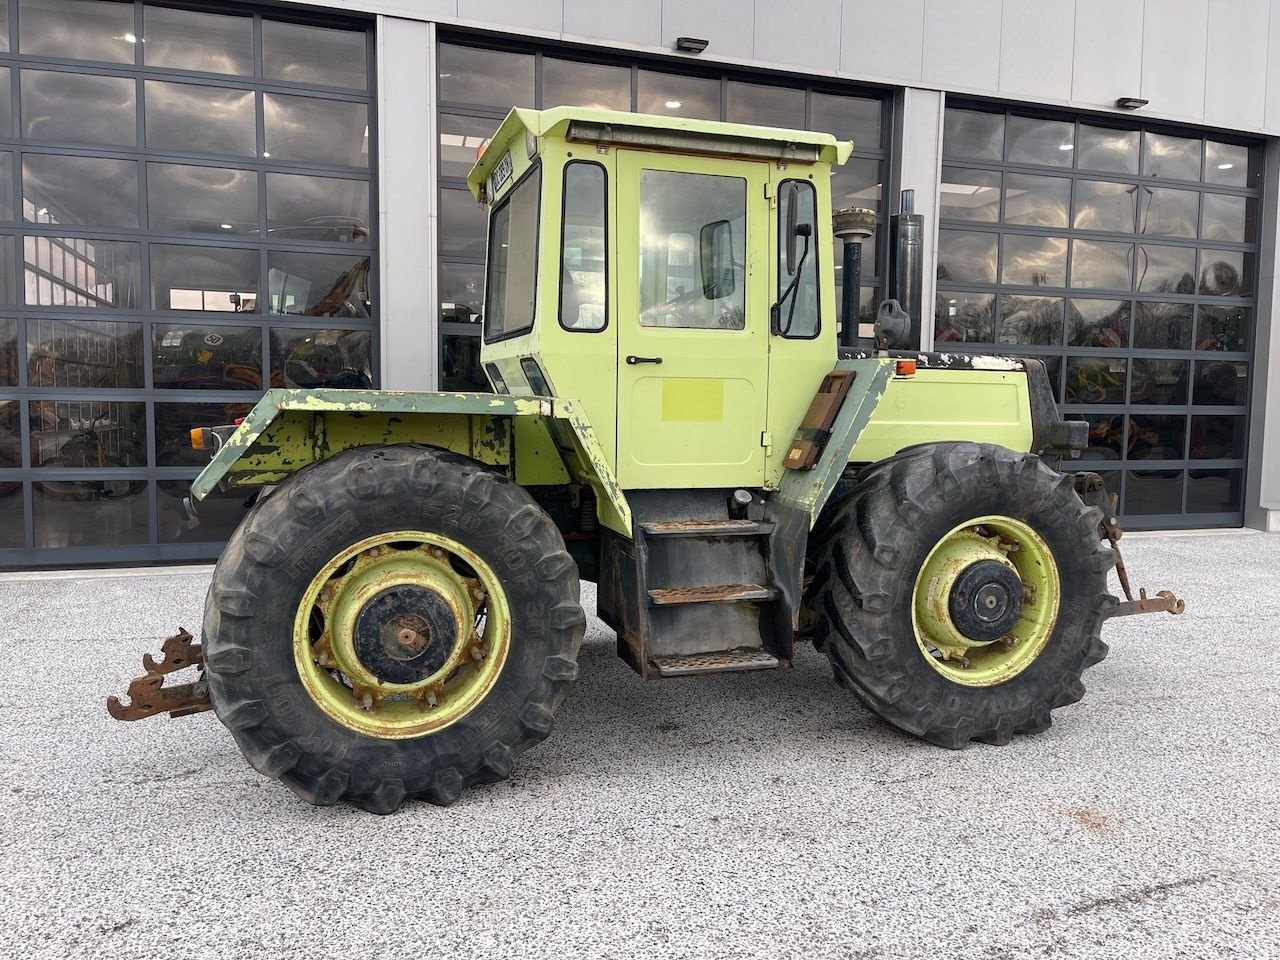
{"x": 632, "y": 360}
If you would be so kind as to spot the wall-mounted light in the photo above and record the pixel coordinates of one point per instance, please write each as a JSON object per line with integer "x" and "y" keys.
{"x": 691, "y": 44}
{"x": 1131, "y": 103}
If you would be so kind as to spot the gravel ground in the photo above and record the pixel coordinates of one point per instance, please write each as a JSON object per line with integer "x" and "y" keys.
{"x": 750, "y": 815}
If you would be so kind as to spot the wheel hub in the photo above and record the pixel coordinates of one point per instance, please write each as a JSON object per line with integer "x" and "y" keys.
{"x": 986, "y": 600}
{"x": 405, "y": 633}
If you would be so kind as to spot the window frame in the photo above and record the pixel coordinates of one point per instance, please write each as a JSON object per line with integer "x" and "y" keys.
{"x": 813, "y": 253}
{"x": 564, "y": 208}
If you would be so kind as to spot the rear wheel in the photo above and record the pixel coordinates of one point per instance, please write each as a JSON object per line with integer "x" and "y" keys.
{"x": 392, "y": 623}
{"x": 959, "y": 591}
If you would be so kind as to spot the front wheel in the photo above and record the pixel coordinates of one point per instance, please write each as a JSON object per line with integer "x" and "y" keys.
{"x": 392, "y": 623}
{"x": 959, "y": 591}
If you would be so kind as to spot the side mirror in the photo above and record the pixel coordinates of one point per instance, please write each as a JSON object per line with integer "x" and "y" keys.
{"x": 791, "y": 203}
{"x": 715, "y": 242}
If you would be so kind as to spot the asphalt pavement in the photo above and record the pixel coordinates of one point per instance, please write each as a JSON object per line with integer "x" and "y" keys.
{"x": 756, "y": 815}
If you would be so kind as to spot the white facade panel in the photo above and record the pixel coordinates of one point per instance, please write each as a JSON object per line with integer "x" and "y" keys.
{"x": 1037, "y": 38}
{"x": 880, "y": 39}
{"x": 546, "y": 16}
{"x": 636, "y": 21}
{"x": 1273, "y": 70}
{"x": 730, "y": 24}
{"x": 920, "y": 153}
{"x": 801, "y": 34}
{"x": 1235, "y": 91}
{"x": 1108, "y": 51}
{"x": 1173, "y": 56}
{"x": 962, "y": 44}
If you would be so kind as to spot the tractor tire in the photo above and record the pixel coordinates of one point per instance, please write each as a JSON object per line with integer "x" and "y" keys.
{"x": 950, "y": 524}
{"x": 455, "y": 628}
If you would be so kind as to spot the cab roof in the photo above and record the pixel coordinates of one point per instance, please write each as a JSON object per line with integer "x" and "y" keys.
{"x": 648, "y": 131}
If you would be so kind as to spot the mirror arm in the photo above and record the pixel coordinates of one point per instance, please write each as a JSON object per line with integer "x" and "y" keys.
{"x": 776, "y": 313}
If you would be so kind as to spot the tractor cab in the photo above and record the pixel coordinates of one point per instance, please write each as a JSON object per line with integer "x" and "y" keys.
{"x": 667, "y": 275}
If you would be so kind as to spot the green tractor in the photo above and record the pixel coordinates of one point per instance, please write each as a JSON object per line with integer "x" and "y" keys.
{"x": 398, "y": 614}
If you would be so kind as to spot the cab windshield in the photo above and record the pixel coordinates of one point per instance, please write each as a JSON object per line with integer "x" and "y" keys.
{"x": 513, "y": 260}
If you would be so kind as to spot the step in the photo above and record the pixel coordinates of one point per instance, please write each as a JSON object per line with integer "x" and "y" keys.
{"x": 707, "y": 528}
{"x": 721, "y": 661}
{"x": 718, "y": 593}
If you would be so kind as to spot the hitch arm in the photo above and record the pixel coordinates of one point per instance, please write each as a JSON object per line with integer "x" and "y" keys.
{"x": 148, "y": 695}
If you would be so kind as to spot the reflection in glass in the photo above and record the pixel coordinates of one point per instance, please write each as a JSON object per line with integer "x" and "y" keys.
{"x": 204, "y": 278}
{"x": 1030, "y": 319}
{"x": 1101, "y": 148}
{"x": 595, "y": 85}
{"x": 1034, "y": 261}
{"x": 195, "y": 356}
{"x": 1222, "y": 328}
{"x": 8, "y": 289}
{"x": 765, "y": 106}
{"x": 462, "y": 224}
{"x": 212, "y": 200}
{"x": 847, "y": 118}
{"x": 460, "y": 363}
{"x": 672, "y": 95}
{"x": 1161, "y": 382}
{"x": 1214, "y": 491}
{"x": 461, "y": 292}
{"x": 1232, "y": 165}
{"x": 1226, "y": 273}
{"x": 1036, "y": 201}
{"x": 1166, "y": 269}
{"x": 11, "y": 532}
{"x": 1173, "y": 158}
{"x": 1167, "y": 213}
{"x": 202, "y": 42}
{"x": 1041, "y": 141}
{"x": 1221, "y": 383}
{"x": 970, "y": 194}
{"x": 191, "y": 118}
{"x": 175, "y": 421}
{"x": 1234, "y": 219}
{"x": 582, "y": 252}
{"x": 6, "y": 178}
{"x": 77, "y": 30}
{"x": 1101, "y": 266}
{"x": 964, "y": 317}
{"x": 1096, "y": 379}
{"x": 1156, "y": 436}
{"x": 460, "y": 141}
{"x": 1163, "y": 326}
{"x": 968, "y": 133}
{"x": 1097, "y": 323}
{"x": 317, "y": 208}
{"x": 1150, "y": 492}
{"x": 6, "y": 102}
{"x": 78, "y": 108}
{"x": 1102, "y": 205}
{"x": 90, "y": 513}
{"x": 486, "y": 78}
{"x": 320, "y": 284}
{"x": 8, "y": 358}
{"x": 311, "y": 359}
{"x": 301, "y": 53}
{"x": 96, "y": 354}
{"x": 11, "y": 450}
{"x": 87, "y": 434}
{"x": 856, "y": 184}
{"x": 1106, "y": 436}
{"x": 1217, "y": 437}
{"x": 319, "y": 131}
{"x": 79, "y": 190}
{"x": 71, "y": 272}
{"x": 965, "y": 256}
{"x": 220, "y": 513}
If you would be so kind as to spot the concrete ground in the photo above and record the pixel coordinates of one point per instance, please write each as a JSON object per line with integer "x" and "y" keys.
{"x": 753, "y": 815}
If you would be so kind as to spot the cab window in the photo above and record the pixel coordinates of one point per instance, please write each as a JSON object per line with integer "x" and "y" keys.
{"x": 583, "y": 279}
{"x": 513, "y": 260}
{"x": 797, "y": 208}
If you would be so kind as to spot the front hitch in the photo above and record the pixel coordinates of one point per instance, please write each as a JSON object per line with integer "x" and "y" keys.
{"x": 148, "y": 695}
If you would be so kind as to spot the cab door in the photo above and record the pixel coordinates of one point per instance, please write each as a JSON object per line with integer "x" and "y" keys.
{"x": 693, "y": 328}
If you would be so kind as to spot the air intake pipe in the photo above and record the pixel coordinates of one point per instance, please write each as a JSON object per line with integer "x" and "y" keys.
{"x": 851, "y": 225}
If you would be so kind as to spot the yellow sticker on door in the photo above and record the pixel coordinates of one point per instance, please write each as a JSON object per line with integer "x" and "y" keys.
{"x": 687, "y": 401}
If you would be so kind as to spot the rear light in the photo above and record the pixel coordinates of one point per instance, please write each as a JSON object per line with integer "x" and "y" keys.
{"x": 905, "y": 368}
{"x": 238, "y": 421}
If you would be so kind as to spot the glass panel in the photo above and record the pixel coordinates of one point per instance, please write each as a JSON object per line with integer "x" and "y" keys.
{"x": 10, "y": 439}
{"x": 1226, "y": 273}
{"x": 1101, "y": 266}
{"x": 1101, "y": 148}
{"x": 1223, "y": 328}
{"x": 90, "y": 513}
{"x": 1030, "y": 319}
{"x": 765, "y": 106}
{"x": 1036, "y": 201}
{"x": 462, "y": 224}
{"x": 965, "y": 256}
{"x": 1163, "y": 326}
{"x": 487, "y": 78}
{"x": 1234, "y": 219}
{"x": 310, "y": 358}
{"x": 1101, "y": 205}
{"x": 1096, "y": 379}
{"x": 189, "y": 118}
{"x": 8, "y": 358}
{"x": 692, "y": 243}
{"x": 1167, "y": 213}
{"x": 220, "y": 513}
{"x": 460, "y": 141}
{"x": 1034, "y": 261}
{"x": 461, "y": 292}
{"x": 317, "y": 208}
{"x": 4, "y": 26}
{"x": 512, "y": 264}
{"x": 1175, "y": 158}
{"x": 968, "y": 133}
{"x": 460, "y": 364}
{"x": 856, "y": 184}
{"x": 189, "y": 199}
{"x": 319, "y": 131}
{"x": 582, "y": 251}
{"x": 203, "y": 42}
{"x": 1214, "y": 491}
{"x": 204, "y": 278}
{"x": 964, "y": 318}
{"x": 970, "y": 194}
{"x": 595, "y": 85}
{"x": 1098, "y": 323}
{"x": 1041, "y": 141}
{"x": 799, "y": 316}
{"x": 320, "y": 284}
{"x": 1166, "y": 269}
{"x": 79, "y": 190}
{"x": 174, "y": 423}
{"x": 6, "y": 102}
{"x": 1156, "y": 436}
{"x": 1150, "y": 492}
{"x": 1106, "y": 436}
{"x": 188, "y": 356}
{"x": 77, "y": 108}
{"x": 11, "y": 532}
{"x": 95, "y": 434}
{"x": 59, "y": 271}
{"x": 672, "y": 95}
{"x": 1217, "y": 438}
{"x": 1221, "y": 384}
{"x": 77, "y": 30}
{"x": 6, "y": 181}
{"x": 1161, "y": 382}
{"x": 847, "y": 118}
{"x": 96, "y": 354}
{"x": 1232, "y": 165}
{"x": 300, "y": 53}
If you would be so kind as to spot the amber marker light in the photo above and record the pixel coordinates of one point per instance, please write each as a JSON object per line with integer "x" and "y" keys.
{"x": 905, "y": 368}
